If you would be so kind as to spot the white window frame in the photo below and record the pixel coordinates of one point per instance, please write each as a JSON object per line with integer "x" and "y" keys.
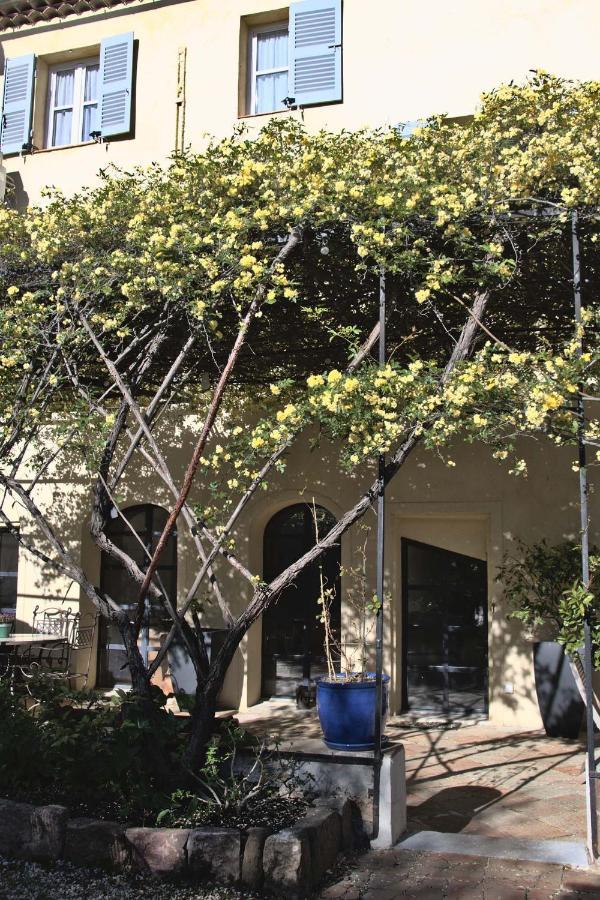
{"x": 253, "y": 73}
{"x": 79, "y": 67}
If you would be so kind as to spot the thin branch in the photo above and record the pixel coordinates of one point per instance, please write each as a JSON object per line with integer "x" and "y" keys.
{"x": 292, "y": 242}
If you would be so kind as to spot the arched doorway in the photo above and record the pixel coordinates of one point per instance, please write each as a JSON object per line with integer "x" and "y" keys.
{"x": 292, "y": 634}
{"x": 148, "y": 522}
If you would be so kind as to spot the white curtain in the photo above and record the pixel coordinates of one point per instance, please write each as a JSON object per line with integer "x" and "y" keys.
{"x": 63, "y": 96}
{"x": 272, "y": 50}
{"x": 90, "y": 93}
{"x": 270, "y": 91}
{"x": 272, "y": 87}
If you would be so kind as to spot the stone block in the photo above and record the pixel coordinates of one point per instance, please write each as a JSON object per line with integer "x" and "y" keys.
{"x": 324, "y": 830}
{"x": 353, "y": 832}
{"x": 160, "y": 851}
{"x": 252, "y": 861}
{"x": 286, "y": 862}
{"x": 93, "y": 842}
{"x": 32, "y": 832}
{"x": 48, "y": 831}
{"x": 15, "y": 827}
{"x": 215, "y": 853}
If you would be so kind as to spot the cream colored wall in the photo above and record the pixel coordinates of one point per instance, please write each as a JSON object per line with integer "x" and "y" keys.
{"x": 475, "y": 508}
{"x": 401, "y": 61}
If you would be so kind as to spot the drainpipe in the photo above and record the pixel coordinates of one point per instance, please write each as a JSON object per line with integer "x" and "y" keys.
{"x": 379, "y": 586}
{"x": 2, "y": 180}
{"x": 591, "y": 775}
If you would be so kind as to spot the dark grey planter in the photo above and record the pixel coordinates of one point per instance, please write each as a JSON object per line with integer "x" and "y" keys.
{"x": 560, "y": 703}
{"x": 181, "y": 666}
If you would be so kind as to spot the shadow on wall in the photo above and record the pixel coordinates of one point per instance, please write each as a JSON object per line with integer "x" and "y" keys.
{"x": 451, "y": 809}
{"x": 510, "y": 662}
{"x": 16, "y": 195}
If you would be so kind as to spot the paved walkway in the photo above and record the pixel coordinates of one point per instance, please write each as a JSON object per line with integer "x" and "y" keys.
{"x": 475, "y": 779}
{"x": 391, "y": 874}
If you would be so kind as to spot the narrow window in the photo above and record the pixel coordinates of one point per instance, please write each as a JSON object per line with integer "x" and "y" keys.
{"x": 9, "y": 564}
{"x": 269, "y": 68}
{"x": 72, "y": 103}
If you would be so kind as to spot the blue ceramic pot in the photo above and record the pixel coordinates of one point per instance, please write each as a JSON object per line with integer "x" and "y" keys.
{"x": 347, "y": 712}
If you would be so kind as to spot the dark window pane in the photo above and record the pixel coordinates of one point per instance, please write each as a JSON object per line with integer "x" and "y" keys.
{"x": 293, "y": 635}
{"x": 148, "y": 522}
{"x": 445, "y": 627}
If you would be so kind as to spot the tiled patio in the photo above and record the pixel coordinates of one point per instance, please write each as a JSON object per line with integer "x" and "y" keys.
{"x": 475, "y": 779}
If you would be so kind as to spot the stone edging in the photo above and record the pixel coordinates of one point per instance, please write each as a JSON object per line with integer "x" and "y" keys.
{"x": 294, "y": 860}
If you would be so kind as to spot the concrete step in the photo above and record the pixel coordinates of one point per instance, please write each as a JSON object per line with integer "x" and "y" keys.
{"x": 565, "y": 853}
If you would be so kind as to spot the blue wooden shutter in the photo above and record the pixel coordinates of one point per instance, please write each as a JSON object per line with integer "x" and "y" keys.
{"x": 116, "y": 85}
{"x": 17, "y": 108}
{"x": 315, "y": 51}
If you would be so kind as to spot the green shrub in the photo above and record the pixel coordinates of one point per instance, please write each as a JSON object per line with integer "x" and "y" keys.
{"x": 261, "y": 789}
{"x": 88, "y": 751}
{"x": 93, "y": 754}
{"x": 542, "y": 584}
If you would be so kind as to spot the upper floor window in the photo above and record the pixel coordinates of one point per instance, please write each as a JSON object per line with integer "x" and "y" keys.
{"x": 298, "y": 62}
{"x": 72, "y": 103}
{"x": 269, "y": 68}
{"x": 84, "y": 98}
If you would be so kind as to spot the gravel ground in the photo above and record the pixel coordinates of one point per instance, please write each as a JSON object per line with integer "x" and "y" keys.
{"x": 21, "y": 880}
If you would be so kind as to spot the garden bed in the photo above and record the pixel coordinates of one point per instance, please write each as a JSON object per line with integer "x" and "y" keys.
{"x": 292, "y": 860}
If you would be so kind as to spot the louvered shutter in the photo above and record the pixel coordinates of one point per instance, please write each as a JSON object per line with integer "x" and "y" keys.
{"x": 116, "y": 85}
{"x": 17, "y": 108}
{"x": 315, "y": 51}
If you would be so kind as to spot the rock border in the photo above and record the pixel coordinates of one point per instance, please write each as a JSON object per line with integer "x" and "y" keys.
{"x": 293, "y": 860}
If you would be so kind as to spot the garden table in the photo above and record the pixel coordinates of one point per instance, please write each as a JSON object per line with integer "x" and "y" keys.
{"x": 23, "y": 637}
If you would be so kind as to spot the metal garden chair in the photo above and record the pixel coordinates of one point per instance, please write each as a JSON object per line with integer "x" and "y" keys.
{"x": 50, "y": 661}
{"x": 53, "y": 620}
{"x": 81, "y": 646}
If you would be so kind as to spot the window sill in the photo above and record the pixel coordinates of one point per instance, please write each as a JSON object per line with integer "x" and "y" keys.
{"x": 276, "y": 112}
{"x": 283, "y": 112}
{"x": 65, "y": 147}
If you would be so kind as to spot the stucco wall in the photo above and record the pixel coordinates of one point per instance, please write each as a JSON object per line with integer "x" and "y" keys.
{"x": 401, "y": 61}
{"x": 474, "y": 508}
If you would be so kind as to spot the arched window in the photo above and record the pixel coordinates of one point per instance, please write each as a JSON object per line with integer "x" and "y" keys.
{"x": 147, "y": 522}
{"x": 293, "y": 635}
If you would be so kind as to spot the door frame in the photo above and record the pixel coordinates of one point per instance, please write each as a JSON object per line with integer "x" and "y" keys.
{"x": 487, "y": 515}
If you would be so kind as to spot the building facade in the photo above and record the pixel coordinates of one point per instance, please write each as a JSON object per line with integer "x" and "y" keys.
{"x": 103, "y": 83}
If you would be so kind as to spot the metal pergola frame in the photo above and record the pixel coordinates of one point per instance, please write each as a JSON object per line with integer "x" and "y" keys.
{"x": 591, "y": 774}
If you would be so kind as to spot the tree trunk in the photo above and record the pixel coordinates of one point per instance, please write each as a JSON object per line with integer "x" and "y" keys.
{"x": 202, "y": 726}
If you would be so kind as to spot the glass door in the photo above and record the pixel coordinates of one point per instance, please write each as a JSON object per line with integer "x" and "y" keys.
{"x": 445, "y": 631}
{"x": 147, "y": 522}
{"x": 293, "y": 635}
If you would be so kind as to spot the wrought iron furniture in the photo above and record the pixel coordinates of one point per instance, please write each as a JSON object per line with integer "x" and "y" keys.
{"x": 81, "y": 646}
{"x": 63, "y": 654}
{"x": 53, "y": 620}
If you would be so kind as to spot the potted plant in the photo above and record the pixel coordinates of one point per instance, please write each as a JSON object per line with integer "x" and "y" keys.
{"x": 346, "y": 696}
{"x": 543, "y": 587}
{"x": 7, "y": 620}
